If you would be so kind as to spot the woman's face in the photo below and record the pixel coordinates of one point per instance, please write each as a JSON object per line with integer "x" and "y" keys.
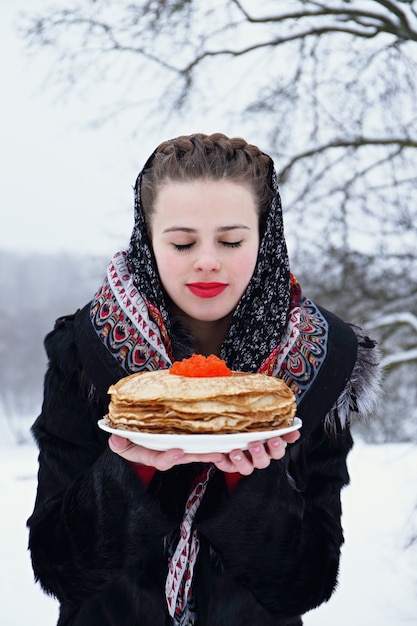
{"x": 205, "y": 240}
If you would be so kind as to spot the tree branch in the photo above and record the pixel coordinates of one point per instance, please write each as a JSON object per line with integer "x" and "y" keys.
{"x": 344, "y": 143}
{"x": 90, "y": 24}
{"x": 367, "y": 19}
{"x": 399, "y": 357}
{"x": 395, "y": 319}
{"x": 273, "y": 43}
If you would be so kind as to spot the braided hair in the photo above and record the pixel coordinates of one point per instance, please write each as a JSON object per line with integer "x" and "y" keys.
{"x": 208, "y": 157}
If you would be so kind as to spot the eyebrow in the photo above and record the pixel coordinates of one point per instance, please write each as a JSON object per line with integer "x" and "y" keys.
{"x": 222, "y": 229}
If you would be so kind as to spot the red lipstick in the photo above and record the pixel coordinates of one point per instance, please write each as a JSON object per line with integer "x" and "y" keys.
{"x": 206, "y": 290}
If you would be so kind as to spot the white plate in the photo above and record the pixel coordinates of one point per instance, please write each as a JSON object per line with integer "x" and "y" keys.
{"x": 199, "y": 443}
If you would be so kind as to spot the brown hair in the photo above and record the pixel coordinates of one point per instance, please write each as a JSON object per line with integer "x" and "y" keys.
{"x": 208, "y": 157}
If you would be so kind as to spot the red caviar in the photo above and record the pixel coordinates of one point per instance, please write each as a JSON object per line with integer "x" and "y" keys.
{"x": 199, "y": 366}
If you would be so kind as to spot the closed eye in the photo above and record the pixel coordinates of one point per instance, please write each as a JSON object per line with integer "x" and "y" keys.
{"x": 186, "y": 246}
{"x": 182, "y": 247}
{"x": 232, "y": 244}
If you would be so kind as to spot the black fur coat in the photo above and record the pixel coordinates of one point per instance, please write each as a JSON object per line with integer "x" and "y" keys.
{"x": 269, "y": 550}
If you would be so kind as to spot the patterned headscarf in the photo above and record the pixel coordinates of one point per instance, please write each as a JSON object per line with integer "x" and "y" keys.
{"x": 274, "y": 329}
{"x": 261, "y": 316}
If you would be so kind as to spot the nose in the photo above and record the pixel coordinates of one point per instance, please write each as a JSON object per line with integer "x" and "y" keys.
{"x": 207, "y": 260}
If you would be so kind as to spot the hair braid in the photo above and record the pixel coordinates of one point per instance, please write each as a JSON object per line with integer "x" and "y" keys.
{"x": 208, "y": 157}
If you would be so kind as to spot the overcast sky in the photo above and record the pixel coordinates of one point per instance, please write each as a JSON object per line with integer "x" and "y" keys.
{"x": 63, "y": 187}
{"x": 60, "y": 185}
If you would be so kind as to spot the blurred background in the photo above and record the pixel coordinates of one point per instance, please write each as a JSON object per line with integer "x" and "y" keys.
{"x": 90, "y": 89}
{"x": 328, "y": 89}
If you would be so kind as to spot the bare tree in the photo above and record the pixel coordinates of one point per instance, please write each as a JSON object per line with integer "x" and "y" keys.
{"x": 327, "y": 87}
{"x": 330, "y": 87}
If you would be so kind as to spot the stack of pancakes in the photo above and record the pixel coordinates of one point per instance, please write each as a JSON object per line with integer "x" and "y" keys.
{"x": 161, "y": 402}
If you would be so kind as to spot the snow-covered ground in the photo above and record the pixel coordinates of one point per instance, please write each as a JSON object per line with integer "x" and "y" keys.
{"x": 378, "y": 579}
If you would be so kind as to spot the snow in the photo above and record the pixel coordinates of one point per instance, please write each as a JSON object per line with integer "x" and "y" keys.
{"x": 378, "y": 577}
{"x": 21, "y": 601}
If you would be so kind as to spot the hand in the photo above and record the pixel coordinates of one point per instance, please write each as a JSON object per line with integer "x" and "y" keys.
{"x": 160, "y": 460}
{"x": 257, "y": 456}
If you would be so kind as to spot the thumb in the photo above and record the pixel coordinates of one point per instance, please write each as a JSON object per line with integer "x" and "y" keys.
{"x": 118, "y": 444}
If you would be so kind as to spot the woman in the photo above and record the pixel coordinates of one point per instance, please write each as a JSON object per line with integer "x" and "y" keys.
{"x": 257, "y": 532}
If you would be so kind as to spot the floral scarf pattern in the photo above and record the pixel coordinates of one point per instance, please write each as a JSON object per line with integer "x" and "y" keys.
{"x": 130, "y": 327}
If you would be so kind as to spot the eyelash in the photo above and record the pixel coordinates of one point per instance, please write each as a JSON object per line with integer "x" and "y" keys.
{"x": 187, "y": 246}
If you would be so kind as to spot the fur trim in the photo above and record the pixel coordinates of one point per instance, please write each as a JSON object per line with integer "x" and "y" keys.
{"x": 363, "y": 391}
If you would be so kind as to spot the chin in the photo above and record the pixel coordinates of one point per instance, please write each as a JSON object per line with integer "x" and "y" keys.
{"x": 211, "y": 316}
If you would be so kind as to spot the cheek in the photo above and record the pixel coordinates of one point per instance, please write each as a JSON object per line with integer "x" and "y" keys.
{"x": 247, "y": 263}
{"x": 168, "y": 265}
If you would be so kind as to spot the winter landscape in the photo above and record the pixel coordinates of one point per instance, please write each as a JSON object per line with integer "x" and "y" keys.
{"x": 68, "y": 164}
{"x": 378, "y": 578}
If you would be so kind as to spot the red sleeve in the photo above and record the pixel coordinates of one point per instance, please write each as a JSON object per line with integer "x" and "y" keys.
{"x": 144, "y": 472}
{"x": 232, "y": 480}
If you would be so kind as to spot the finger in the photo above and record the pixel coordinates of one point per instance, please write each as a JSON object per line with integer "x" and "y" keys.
{"x": 292, "y": 437}
{"x": 225, "y": 465}
{"x": 259, "y": 454}
{"x": 164, "y": 460}
{"x": 119, "y": 444}
{"x": 276, "y": 448}
{"x": 209, "y": 457}
{"x": 161, "y": 460}
{"x": 145, "y": 456}
{"x": 241, "y": 462}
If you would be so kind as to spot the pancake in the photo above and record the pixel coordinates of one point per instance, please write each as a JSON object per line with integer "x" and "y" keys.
{"x": 162, "y": 402}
